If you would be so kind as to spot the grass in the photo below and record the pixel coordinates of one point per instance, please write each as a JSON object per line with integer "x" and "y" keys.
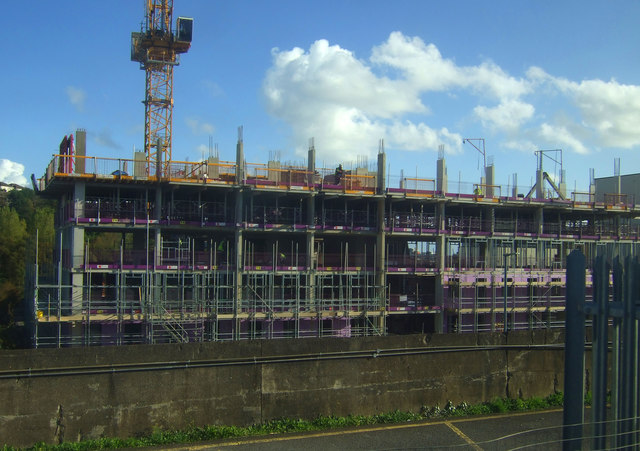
{"x": 288, "y": 425}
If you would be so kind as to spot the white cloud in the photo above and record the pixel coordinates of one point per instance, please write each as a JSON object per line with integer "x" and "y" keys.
{"x": 559, "y": 135}
{"x": 77, "y": 97}
{"x": 331, "y": 95}
{"x": 426, "y": 69}
{"x": 509, "y": 115}
{"x": 607, "y": 112}
{"x": 348, "y": 103}
{"x": 610, "y": 109}
{"x": 12, "y": 172}
{"x": 199, "y": 127}
{"x": 523, "y": 145}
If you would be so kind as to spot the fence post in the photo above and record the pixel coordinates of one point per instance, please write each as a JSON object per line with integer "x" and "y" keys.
{"x": 629, "y": 369}
{"x": 616, "y": 352}
{"x": 600, "y": 350}
{"x": 573, "y": 415}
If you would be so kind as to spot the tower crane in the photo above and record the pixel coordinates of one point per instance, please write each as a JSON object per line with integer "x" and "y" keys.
{"x": 157, "y": 49}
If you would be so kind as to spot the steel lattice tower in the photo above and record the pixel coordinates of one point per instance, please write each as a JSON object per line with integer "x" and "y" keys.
{"x": 157, "y": 50}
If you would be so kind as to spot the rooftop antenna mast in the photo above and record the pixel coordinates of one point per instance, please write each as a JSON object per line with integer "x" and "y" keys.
{"x": 157, "y": 50}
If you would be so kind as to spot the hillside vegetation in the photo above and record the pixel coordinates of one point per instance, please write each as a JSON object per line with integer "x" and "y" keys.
{"x": 22, "y": 213}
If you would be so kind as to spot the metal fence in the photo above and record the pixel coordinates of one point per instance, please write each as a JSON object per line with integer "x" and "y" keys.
{"x": 614, "y": 311}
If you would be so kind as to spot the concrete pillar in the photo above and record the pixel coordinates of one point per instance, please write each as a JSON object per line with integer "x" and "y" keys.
{"x": 157, "y": 207}
{"x": 441, "y": 177}
{"x": 79, "y": 189}
{"x": 274, "y": 174}
{"x": 382, "y": 172}
{"x": 440, "y": 242}
{"x": 159, "y": 162}
{"x": 76, "y": 247}
{"x": 311, "y": 211}
{"x": 239, "y": 207}
{"x": 489, "y": 172}
{"x": 492, "y": 220}
{"x": 381, "y": 279}
{"x": 157, "y": 251}
{"x": 240, "y": 176}
{"x": 539, "y": 230}
{"x": 139, "y": 165}
{"x": 311, "y": 164}
{"x": 311, "y": 272}
{"x": 213, "y": 170}
{"x": 81, "y": 151}
{"x": 440, "y": 262}
{"x": 157, "y": 215}
{"x": 239, "y": 270}
{"x": 562, "y": 186}
{"x": 539, "y": 220}
{"x": 539, "y": 184}
{"x": 237, "y": 292}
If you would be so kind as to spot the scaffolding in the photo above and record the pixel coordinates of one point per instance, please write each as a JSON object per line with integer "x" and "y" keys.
{"x": 232, "y": 250}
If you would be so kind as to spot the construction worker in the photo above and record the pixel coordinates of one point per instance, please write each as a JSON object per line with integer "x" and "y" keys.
{"x": 339, "y": 173}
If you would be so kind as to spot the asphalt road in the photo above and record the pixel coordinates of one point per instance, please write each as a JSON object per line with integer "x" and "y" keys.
{"x": 530, "y": 431}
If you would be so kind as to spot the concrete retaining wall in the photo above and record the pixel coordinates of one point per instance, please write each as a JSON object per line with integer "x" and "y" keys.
{"x": 253, "y": 381}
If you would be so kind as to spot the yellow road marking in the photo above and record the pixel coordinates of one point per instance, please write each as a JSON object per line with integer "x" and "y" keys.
{"x": 463, "y": 436}
{"x": 314, "y": 435}
{"x": 280, "y": 438}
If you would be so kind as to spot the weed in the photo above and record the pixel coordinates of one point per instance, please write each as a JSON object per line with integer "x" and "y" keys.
{"x": 287, "y": 425}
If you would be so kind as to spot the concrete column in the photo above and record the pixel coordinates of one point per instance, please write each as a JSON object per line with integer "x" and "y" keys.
{"x": 240, "y": 176}
{"x": 539, "y": 230}
{"x": 440, "y": 261}
{"x": 239, "y": 271}
{"x": 562, "y": 186}
{"x": 139, "y": 165}
{"x": 539, "y": 183}
{"x": 492, "y": 220}
{"x": 539, "y": 220}
{"x": 237, "y": 292}
{"x": 213, "y": 168}
{"x": 441, "y": 178}
{"x": 311, "y": 272}
{"x": 81, "y": 151}
{"x": 381, "y": 258}
{"x": 79, "y": 189}
{"x": 159, "y": 162}
{"x": 382, "y": 171}
{"x": 76, "y": 248}
{"x": 157, "y": 215}
{"x": 489, "y": 172}
{"x": 311, "y": 211}
{"x": 311, "y": 164}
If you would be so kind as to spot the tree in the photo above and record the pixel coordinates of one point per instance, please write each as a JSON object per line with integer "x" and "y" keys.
{"x": 22, "y": 213}
{"x": 43, "y": 220}
{"x": 12, "y": 260}
{"x": 23, "y": 201}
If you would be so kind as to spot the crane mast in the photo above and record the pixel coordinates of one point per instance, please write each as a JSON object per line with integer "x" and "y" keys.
{"x": 157, "y": 49}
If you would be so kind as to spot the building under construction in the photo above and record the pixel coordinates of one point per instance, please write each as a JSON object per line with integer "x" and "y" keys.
{"x": 228, "y": 250}
{"x": 152, "y": 250}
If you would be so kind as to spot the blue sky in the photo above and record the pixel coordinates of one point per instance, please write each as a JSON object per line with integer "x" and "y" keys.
{"x": 524, "y": 75}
